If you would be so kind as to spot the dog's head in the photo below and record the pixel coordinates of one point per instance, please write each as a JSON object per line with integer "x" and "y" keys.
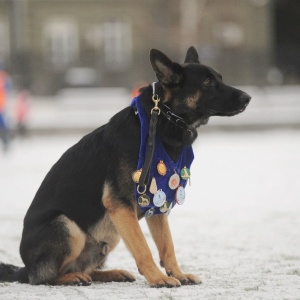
{"x": 194, "y": 91}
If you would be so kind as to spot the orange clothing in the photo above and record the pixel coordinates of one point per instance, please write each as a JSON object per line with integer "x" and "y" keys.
{"x": 136, "y": 90}
{"x": 2, "y": 90}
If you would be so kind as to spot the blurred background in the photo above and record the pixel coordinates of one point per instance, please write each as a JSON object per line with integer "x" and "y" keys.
{"x": 66, "y": 66}
{"x": 50, "y": 45}
{"x": 72, "y": 57}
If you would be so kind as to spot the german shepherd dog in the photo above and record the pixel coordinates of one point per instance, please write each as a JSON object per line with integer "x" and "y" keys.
{"x": 86, "y": 202}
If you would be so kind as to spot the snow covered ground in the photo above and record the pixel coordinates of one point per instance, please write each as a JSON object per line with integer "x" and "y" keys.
{"x": 239, "y": 228}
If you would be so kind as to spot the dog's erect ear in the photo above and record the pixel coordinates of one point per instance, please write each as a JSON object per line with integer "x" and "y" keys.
{"x": 192, "y": 56}
{"x": 167, "y": 71}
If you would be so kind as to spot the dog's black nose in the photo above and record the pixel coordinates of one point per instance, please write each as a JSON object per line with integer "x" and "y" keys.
{"x": 245, "y": 98}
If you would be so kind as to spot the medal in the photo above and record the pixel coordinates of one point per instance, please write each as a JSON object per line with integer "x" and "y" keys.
{"x": 159, "y": 198}
{"x": 153, "y": 186}
{"x": 161, "y": 168}
{"x": 174, "y": 181}
{"x": 136, "y": 175}
{"x": 180, "y": 195}
{"x": 165, "y": 207}
{"x": 185, "y": 173}
{"x": 149, "y": 213}
{"x": 169, "y": 211}
{"x": 144, "y": 200}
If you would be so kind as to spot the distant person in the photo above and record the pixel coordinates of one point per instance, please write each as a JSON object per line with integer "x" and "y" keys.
{"x": 4, "y": 133}
{"x": 21, "y": 111}
{"x": 136, "y": 89}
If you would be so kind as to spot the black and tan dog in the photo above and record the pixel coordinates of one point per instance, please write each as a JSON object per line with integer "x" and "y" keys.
{"x": 86, "y": 202}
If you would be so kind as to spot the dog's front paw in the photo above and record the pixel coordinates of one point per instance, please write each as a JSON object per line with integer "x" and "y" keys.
{"x": 169, "y": 282}
{"x": 187, "y": 279}
{"x": 164, "y": 281}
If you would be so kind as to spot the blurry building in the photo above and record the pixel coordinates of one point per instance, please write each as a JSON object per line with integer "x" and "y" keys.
{"x": 51, "y": 44}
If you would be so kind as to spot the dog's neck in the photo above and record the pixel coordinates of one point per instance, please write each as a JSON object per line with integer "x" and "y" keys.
{"x": 173, "y": 137}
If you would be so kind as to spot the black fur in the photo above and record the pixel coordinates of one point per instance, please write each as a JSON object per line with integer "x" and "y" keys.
{"x": 73, "y": 188}
{"x": 12, "y": 273}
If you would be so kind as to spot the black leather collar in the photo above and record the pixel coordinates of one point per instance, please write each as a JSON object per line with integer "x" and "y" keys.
{"x": 173, "y": 118}
{"x": 166, "y": 110}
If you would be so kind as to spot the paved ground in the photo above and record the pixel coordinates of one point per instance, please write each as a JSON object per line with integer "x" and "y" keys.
{"x": 238, "y": 230}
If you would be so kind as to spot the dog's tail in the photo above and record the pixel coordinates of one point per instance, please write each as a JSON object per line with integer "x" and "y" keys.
{"x": 10, "y": 273}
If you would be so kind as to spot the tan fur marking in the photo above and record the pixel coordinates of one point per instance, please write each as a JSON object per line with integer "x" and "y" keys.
{"x": 77, "y": 241}
{"x": 167, "y": 95}
{"x": 160, "y": 230}
{"x": 73, "y": 278}
{"x": 193, "y": 99}
{"x": 126, "y": 223}
{"x": 105, "y": 231}
{"x": 113, "y": 275}
{"x": 106, "y": 197}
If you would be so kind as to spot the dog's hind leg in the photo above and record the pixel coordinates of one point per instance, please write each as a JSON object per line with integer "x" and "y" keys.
{"x": 76, "y": 278}
{"x": 49, "y": 251}
{"x": 160, "y": 230}
{"x": 113, "y": 275}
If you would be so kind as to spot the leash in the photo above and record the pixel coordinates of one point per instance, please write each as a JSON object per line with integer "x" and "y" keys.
{"x": 155, "y": 112}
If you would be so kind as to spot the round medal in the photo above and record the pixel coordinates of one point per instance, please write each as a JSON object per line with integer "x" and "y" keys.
{"x": 174, "y": 181}
{"x": 180, "y": 195}
{"x": 144, "y": 200}
{"x": 185, "y": 173}
{"x": 169, "y": 211}
{"x": 149, "y": 213}
{"x": 136, "y": 175}
{"x": 159, "y": 198}
{"x": 162, "y": 168}
{"x": 165, "y": 207}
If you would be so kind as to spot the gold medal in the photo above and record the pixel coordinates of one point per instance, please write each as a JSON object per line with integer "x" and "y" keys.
{"x": 144, "y": 200}
{"x": 185, "y": 173}
{"x": 162, "y": 168}
{"x": 136, "y": 175}
{"x": 153, "y": 186}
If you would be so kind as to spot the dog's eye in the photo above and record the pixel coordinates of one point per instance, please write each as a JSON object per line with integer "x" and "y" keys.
{"x": 207, "y": 81}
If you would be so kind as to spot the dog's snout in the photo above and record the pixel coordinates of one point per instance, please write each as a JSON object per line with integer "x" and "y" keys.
{"x": 245, "y": 98}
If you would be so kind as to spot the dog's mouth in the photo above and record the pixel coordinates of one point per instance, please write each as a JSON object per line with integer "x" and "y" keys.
{"x": 243, "y": 102}
{"x": 213, "y": 112}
